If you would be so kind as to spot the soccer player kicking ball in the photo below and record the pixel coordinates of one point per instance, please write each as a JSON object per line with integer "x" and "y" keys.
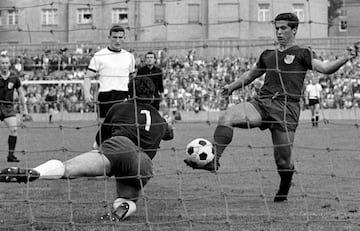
{"x": 278, "y": 102}
{"x": 129, "y": 137}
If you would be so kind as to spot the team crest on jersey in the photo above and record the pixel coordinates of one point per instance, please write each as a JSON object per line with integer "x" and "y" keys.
{"x": 289, "y": 59}
{"x": 10, "y": 85}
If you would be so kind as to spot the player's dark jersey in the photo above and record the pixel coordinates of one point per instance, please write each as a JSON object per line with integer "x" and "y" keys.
{"x": 285, "y": 72}
{"x": 143, "y": 121}
{"x": 7, "y": 88}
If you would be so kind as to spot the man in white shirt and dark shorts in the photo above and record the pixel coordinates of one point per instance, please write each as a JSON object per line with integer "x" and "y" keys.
{"x": 313, "y": 96}
{"x": 113, "y": 66}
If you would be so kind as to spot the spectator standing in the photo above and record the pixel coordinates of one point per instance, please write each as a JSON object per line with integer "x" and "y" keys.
{"x": 18, "y": 64}
{"x": 46, "y": 61}
{"x": 65, "y": 60}
{"x": 162, "y": 59}
{"x": 155, "y": 74}
{"x": 51, "y": 101}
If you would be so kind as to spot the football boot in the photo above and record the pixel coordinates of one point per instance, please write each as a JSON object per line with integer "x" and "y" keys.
{"x": 123, "y": 208}
{"x": 12, "y": 159}
{"x": 19, "y": 175}
{"x": 285, "y": 184}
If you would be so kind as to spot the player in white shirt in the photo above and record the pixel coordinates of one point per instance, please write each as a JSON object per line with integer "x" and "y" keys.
{"x": 313, "y": 97}
{"x": 113, "y": 66}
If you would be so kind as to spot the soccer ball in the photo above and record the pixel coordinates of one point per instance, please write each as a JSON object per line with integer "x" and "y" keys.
{"x": 200, "y": 151}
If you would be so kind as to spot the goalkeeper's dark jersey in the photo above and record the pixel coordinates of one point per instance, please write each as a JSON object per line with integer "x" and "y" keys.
{"x": 144, "y": 122}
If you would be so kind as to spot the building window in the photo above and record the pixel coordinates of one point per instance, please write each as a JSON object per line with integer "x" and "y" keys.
{"x": 228, "y": 12}
{"x": 264, "y": 12}
{"x": 3, "y": 18}
{"x": 194, "y": 13}
{"x": 120, "y": 15}
{"x": 343, "y": 12}
{"x": 298, "y": 10}
{"x": 49, "y": 17}
{"x": 84, "y": 16}
{"x": 343, "y": 25}
{"x": 159, "y": 13}
{"x": 13, "y": 17}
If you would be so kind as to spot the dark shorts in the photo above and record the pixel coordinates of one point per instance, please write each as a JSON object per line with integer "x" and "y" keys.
{"x": 272, "y": 113}
{"x": 313, "y": 102}
{"x": 124, "y": 156}
{"x": 109, "y": 98}
{"x": 6, "y": 110}
{"x": 51, "y": 105}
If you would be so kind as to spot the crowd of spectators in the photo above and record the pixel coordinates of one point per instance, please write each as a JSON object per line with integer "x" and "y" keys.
{"x": 191, "y": 83}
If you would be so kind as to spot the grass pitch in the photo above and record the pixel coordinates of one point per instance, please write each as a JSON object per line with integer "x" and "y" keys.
{"x": 325, "y": 193}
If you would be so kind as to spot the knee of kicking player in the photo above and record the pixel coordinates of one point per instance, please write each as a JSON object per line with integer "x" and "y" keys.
{"x": 283, "y": 163}
{"x": 225, "y": 120}
{"x": 283, "y": 160}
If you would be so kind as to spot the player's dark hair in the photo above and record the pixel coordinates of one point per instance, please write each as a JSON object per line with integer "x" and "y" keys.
{"x": 142, "y": 89}
{"x": 293, "y": 20}
{"x": 150, "y": 53}
{"x": 116, "y": 28}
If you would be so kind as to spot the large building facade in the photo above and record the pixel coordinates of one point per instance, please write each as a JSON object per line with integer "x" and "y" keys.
{"x": 88, "y": 21}
{"x": 348, "y": 22}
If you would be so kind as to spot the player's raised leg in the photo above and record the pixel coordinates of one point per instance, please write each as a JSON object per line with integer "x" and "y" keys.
{"x": 282, "y": 153}
{"x": 243, "y": 115}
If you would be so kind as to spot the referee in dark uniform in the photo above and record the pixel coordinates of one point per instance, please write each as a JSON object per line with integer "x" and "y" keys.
{"x": 9, "y": 83}
{"x": 155, "y": 74}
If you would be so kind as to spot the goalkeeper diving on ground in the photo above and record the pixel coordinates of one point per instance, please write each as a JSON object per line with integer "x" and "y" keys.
{"x": 128, "y": 140}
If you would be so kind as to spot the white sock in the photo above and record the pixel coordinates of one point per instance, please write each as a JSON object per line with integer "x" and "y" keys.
{"x": 52, "y": 169}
